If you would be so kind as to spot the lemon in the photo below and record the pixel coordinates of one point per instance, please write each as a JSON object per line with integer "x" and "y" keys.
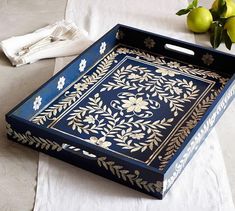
{"x": 230, "y": 27}
{"x": 199, "y": 20}
{"x": 230, "y": 8}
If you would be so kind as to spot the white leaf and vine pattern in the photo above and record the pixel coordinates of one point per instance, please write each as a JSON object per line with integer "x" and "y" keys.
{"x": 97, "y": 118}
{"x": 185, "y": 130}
{"x": 173, "y": 91}
{"x": 133, "y": 178}
{"x": 29, "y": 139}
{"x": 79, "y": 89}
{"x": 126, "y": 121}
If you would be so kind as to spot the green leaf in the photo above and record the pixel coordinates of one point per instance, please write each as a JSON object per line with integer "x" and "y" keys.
{"x": 190, "y": 7}
{"x": 216, "y": 34}
{"x": 227, "y": 40}
{"x": 183, "y": 12}
{"x": 195, "y": 3}
{"x": 220, "y": 12}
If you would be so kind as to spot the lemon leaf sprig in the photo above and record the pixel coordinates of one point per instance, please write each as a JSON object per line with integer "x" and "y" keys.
{"x": 219, "y": 21}
{"x": 219, "y": 13}
{"x": 190, "y": 7}
{"x": 218, "y": 33}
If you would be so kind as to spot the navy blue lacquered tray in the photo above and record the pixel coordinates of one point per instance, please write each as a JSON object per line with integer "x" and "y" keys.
{"x": 133, "y": 108}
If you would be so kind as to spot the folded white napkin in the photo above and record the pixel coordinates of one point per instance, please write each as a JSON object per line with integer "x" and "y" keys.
{"x": 62, "y": 38}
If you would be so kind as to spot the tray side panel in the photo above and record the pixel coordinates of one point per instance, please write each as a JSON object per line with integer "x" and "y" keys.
{"x": 198, "y": 135}
{"x": 53, "y": 88}
{"x": 135, "y": 177}
{"x": 201, "y": 56}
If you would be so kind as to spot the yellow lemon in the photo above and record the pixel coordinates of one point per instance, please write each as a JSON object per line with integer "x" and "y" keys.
{"x": 199, "y": 20}
{"x": 230, "y": 27}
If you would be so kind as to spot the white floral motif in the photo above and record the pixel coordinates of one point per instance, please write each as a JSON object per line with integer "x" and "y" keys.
{"x": 134, "y": 76}
{"x": 123, "y": 50}
{"x": 89, "y": 119}
{"x": 80, "y": 86}
{"x": 61, "y": 83}
{"x": 173, "y": 64}
{"x": 207, "y": 59}
{"x": 177, "y": 90}
{"x": 37, "y": 103}
{"x": 100, "y": 141}
{"x": 149, "y": 42}
{"x": 102, "y": 47}
{"x": 137, "y": 136}
{"x": 166, "y": 72}
{"x": 82, "y": 65}
{"x": 135, "y": 104}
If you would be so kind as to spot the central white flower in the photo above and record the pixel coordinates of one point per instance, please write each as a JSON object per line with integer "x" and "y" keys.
{"x": 135, "y": 104}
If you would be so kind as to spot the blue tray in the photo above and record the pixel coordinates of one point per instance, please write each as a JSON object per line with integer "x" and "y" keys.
{"x": 134, "y": 107}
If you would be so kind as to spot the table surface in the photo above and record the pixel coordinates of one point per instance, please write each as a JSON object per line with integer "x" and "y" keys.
{"x": 18, "y": 173}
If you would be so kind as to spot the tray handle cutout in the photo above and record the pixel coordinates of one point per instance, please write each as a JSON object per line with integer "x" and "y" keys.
{"x": 79, "y": 152}
{"x": 179, "y": 49}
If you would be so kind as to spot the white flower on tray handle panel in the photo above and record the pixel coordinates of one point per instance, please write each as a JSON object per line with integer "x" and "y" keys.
{"x": 149, "y": 43}
{"x": 102, "y": 47}
{"x": 82, "y": 65}
{"x": 119, "y": 35}
{"x": 37, "y": 103}
{"x": 61, "y": 83}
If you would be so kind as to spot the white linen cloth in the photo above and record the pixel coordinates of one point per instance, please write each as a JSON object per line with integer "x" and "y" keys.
{"x": 62, "y": 38}
{"x": 203, "y": 184}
